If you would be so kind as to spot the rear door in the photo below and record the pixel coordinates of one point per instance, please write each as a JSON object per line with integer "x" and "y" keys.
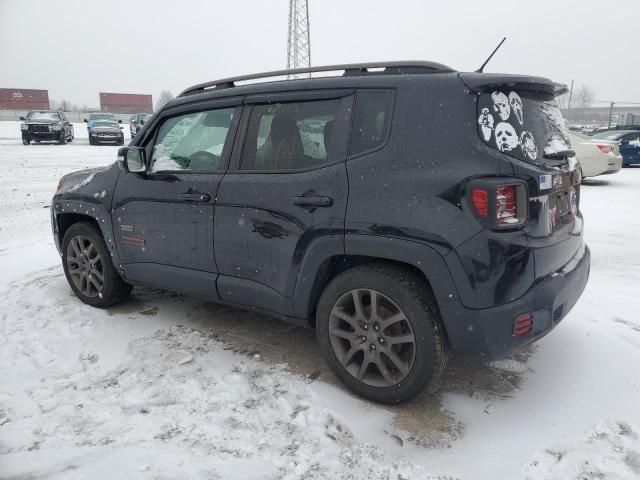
{"x": 286, "y": 188}
{"x": 630, "y": 148}
{"x": 164, "y": 217}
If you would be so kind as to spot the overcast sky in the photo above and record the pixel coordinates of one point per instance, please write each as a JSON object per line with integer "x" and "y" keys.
{"x": 77, "y": 48}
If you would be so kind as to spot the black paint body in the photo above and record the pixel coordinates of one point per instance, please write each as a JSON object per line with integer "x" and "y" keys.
{"x": 249, "y": 245}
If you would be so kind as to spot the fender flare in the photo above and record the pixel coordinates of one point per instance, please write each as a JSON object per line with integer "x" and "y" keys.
{"x": 419, "y": 255}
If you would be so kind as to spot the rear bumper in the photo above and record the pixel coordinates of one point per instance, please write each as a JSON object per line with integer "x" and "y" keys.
{"x": 488, "y": 333}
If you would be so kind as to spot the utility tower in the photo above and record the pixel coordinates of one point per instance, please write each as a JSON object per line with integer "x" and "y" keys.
{"x": 298, "y": 41}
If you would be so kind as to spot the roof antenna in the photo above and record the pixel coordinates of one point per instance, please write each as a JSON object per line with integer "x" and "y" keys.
{"x": 490, "y": 56}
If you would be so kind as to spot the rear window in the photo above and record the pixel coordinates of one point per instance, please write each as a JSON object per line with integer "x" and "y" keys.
{"x": 524, "y": 125}
{"x": 371, "y": 120}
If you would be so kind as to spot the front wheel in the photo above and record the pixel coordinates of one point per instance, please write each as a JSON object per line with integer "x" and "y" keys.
{"x": 62, "y": 140}
{"x": 379, "y": 332}
{"x": 88, "y": 267}
{"x": 26, "y": 140}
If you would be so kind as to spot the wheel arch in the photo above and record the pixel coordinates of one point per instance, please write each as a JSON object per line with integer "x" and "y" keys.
{"x": 65, "y": 220}
{"x": 317, "y": 271}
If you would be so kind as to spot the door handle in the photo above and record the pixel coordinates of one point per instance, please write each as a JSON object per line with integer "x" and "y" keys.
{"x": 195, "y": 197}
{"x": 312, "y": 201}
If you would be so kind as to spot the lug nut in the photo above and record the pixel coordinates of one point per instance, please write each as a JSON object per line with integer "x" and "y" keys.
{"x": 373, "y": 347}
{"x": 366, "y": 327}
{"x": 381, "y": 340}
{"x": 376, "y": 327}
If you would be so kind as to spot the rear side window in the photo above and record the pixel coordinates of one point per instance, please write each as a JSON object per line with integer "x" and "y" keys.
{"x": 524, "y": 125}
{"x": 371, "y": 120}
{"x": 286, "y": 136}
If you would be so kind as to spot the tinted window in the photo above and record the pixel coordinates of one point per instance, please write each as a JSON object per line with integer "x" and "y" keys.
{"x": 524, "y": 125}
{"x": 289, "y": 135}
{"x": 371, "y": 120}
{"x": 192, "y": 142}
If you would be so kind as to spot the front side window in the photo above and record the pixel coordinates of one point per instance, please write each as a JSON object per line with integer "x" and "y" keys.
{"x": 371, "y": 120}
{"x": 192, "y": 142}
{"x": 284, "y": 136}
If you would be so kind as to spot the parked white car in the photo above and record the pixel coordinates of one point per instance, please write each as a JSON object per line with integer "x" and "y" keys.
{"x": 597, "y": 156}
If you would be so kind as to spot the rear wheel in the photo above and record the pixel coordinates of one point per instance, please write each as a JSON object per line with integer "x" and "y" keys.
{"x": 379, "y": 332}
{"x": 88, "y": 267}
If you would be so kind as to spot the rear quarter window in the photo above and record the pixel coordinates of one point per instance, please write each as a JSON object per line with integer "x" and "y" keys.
{"x": 371, "y": 120}
{"x": 523, "y": 125}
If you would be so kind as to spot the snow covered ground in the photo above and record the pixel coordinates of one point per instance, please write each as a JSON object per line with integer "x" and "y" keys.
{"x": 170, "y": 387}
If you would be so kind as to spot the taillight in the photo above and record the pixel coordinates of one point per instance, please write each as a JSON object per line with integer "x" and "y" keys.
{"x": 506, "y": 208}
{"x": 498, "y": 204}
{"x": 605, "y": 148}
{"x": 480, "y": 199}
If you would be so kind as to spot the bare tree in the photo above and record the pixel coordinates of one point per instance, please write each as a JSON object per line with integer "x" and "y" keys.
{"x": 165, "y": 97}
{"x": 584, "y": 97}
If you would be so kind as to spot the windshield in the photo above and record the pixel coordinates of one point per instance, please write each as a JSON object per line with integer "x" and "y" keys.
{"x": 106, "y": 124}
{"x": 43, "y": 116}
{"x": 102, "y": 116}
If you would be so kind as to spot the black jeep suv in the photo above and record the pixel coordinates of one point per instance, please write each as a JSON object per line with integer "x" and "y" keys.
{"x": 405, "y": 210}
{"x": 47, "y": 125}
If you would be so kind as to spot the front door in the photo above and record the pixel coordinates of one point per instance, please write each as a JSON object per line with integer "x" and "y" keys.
{"x": 163, "y": 219}
{"x": 287, "y": 186}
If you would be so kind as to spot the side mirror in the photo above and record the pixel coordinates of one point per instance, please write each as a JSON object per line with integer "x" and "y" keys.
{"x": 132, "y": 159}
{"x": 119, "y": 121}
{"x": 624, "y": 142}
{"x": 86, "y": 121}
{"x": 121, "y": 128}
{"x": 22, "y": 118}
{"x": 141, "y": 122}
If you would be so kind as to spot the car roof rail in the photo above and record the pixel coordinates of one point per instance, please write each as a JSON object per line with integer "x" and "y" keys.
{"x": 350, "y": 69}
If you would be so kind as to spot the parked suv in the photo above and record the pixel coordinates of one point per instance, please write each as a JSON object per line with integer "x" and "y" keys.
{"x": 46, "y": 125}
{"x": 406, "y": 211}
{"x": 137, "y": 121}
{"x": 95, "y": 116}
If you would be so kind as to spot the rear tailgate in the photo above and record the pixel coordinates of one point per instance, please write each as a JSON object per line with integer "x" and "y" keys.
{"x": 518, "y": 116}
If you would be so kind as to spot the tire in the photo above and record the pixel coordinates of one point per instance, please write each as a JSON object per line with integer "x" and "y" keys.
{"x": 91, "y": 140}
{"x": 62, "y": 140}
{"x": 85, "y": 258}
{"x": 26, "y": 140}
{"x": 423, "y": 358}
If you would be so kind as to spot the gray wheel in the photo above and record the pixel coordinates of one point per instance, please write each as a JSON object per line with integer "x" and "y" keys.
{"x": 372, "y": 338}
{"x": 88, "y": 267}
{"x": 379, "y": 330}
{"x": 85, "y": 266}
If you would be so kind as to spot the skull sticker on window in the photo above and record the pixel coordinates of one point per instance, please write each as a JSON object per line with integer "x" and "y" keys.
{"x": 501, "y": 105}
{"x": 516, "y": 106}
{"x": 486, "y": 124}
{"x": 528, "y": 145}
{"x": 506, "y": 137}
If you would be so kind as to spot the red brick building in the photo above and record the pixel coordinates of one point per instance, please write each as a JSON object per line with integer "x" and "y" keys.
{"x": 125, "y": 103}
{"x": 24, "y": 99}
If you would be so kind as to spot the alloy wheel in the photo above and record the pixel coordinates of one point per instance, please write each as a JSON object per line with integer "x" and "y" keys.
{"x": 372, "y": 338}
{"x": 85, "y": 266}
